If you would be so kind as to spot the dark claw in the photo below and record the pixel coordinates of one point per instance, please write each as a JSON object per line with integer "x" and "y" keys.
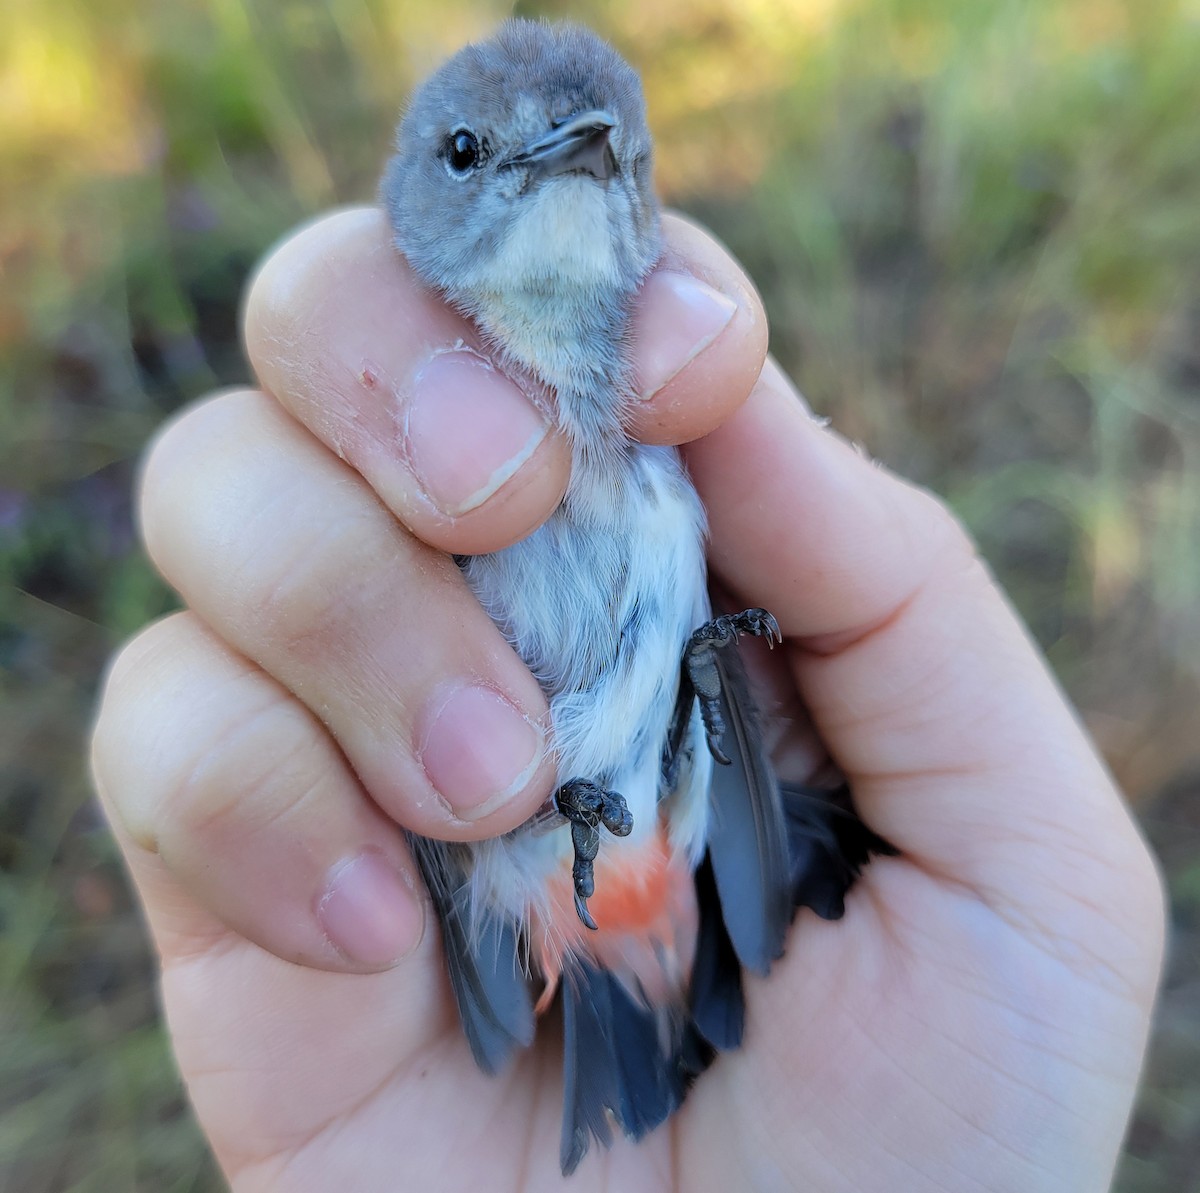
{"x": 770, "y": 630}
{"x": 714, "y": 746}
{"x": 585, "y": 916}
{"x": 615, "y": 815}
{"x": 760, "y": 623}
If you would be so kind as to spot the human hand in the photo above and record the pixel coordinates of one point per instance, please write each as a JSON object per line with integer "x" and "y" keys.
{"x": 978, "y": 1017}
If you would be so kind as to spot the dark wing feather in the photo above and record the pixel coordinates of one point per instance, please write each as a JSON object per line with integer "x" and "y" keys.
{"x": 829, "y": 846}
{"x": 481, "y": 957}
{"x": 715, "y": 993}
{"x": 748, "y": 841}
{"x": 772, "y": 849}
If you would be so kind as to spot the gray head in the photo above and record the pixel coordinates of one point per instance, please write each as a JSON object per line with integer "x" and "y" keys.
{"x": 523, "y": 176}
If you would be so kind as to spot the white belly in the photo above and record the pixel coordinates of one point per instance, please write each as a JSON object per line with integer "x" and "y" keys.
{"x": 601, "y": 612}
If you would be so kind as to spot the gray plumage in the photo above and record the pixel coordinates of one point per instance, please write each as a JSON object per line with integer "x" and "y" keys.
{"x": 521, "y": 191}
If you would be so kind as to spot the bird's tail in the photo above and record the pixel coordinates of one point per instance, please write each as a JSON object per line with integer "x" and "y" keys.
{"x": 629, "y": 1063}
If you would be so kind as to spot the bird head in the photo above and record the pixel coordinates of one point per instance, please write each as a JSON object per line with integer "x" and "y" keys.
{"x": 523, "y": 172}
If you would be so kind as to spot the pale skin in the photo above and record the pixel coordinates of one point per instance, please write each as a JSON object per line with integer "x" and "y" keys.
{"x": 976, "y": 1021}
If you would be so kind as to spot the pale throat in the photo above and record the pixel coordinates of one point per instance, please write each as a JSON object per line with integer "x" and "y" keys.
{"x": 554, "y": 297}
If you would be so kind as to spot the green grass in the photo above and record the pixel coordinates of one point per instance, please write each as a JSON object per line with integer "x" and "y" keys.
{"x": 976, "y": 228}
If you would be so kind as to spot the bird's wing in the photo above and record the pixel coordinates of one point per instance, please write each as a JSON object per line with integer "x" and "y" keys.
{"x": 747, "y": 835}
{"x": 829, "y": 845}
{"x": 772, "y": 848}
{"x": 482, "y": 957}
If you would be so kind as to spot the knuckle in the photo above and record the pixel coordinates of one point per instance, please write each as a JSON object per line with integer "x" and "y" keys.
{"x": 176, "y": 447}
{"x": 299, "y": 590}
{"x": 193, "y": 746}
{"x": 127, "y": 668}
{"x": 265, "y": 540}
{"x": 128, "y": 732}
{"x": 937, "y": 537}
{"x": 942, "y": 529}
{"x": 245, "y": 772}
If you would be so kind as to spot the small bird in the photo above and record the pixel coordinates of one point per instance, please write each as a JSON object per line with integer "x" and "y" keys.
{"x": 669, "y": 858}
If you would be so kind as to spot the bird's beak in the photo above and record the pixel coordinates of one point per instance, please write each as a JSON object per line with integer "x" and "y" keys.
{"x": 578, "y": 144}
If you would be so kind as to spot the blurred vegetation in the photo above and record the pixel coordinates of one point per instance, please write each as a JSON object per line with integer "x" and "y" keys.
{"x": 976, "y": 227}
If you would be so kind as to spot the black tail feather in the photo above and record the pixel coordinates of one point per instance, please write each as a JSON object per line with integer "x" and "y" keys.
{"x": 828, "y": 846}
{"x": 623, "y": 1062}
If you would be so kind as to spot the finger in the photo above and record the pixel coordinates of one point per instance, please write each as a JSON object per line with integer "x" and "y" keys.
{"x": 249, "y": 841}
{"x": 699, "y": 338}
{"x": 288, "y": 555}
{"x": 918, "y": 676}
{"x": 401, "y": 387}
{"x": 208, "y": 763}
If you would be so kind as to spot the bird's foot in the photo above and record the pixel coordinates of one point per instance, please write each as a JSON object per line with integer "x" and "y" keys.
{"x": 699, "y": 660}
{"x": 589, "y": 806}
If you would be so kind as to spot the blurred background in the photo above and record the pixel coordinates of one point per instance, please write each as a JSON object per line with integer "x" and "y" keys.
{"x": 976, "y": 226}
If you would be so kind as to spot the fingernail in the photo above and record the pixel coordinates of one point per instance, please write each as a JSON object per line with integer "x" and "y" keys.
{"x": 678, "y": 317}
{"x": 467, "y": 429}
{"x": 368, "y": 912}
{"x": 479, "y": 751}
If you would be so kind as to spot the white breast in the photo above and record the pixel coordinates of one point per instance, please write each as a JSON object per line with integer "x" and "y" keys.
{"x": 601, "y": 612}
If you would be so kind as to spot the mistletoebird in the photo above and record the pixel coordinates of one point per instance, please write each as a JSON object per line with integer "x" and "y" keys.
{"x": 669, "y": 858}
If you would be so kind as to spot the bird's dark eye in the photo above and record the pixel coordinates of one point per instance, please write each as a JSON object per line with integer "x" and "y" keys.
{"x": 462, "y": 151}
